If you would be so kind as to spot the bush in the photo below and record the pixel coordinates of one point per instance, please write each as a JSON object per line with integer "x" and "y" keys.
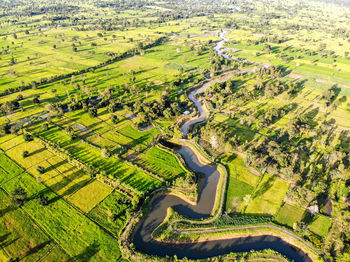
{"x": 19, "y": 196}
{"x": 43, "y": 200}
{"x": 40, "y": 169}
{"x": 28, "y": 137}
{"x": 25, "y": 153}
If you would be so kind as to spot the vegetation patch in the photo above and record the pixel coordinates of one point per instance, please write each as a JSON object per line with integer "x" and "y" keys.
{"x": 162, "y": 163}
{"x": 90, "y": 195}
{"x": 320, "y": 225}
{"x": 289, "y": 215}
{"x": 78, "y": 236}
{"x": 268, "y": 196}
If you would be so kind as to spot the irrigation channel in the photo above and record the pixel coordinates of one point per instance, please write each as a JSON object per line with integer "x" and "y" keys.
{"x": 142, "y": 235}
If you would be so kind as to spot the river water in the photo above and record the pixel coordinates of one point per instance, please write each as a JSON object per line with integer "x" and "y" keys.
{"x": 143, "y": 240}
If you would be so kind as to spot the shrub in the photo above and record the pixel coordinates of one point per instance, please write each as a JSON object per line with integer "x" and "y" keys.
{"x": 25, "y": 153}
{"x": 19, "y": 196}
{"x": 40, "y": 169}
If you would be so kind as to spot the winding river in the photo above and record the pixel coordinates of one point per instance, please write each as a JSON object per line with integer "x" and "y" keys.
{"x": 142, "y": 237}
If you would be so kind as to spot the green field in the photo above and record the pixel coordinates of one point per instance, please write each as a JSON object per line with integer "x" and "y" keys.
{"x": 62, "y": 222}
{"x": 162, "y": 163}
{"x": 288, "y": 215}
{"x": 268, "y": 196}
{"x": 20, "y": 236}
{"x": 91, "y": 91}
{"x": 320, "y": 225}
{"x": 112, "y": 211}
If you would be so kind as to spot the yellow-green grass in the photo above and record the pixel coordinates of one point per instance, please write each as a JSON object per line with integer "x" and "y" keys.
{"x": 20, "y": 237}
{"x": 289, "y": 214}
{"x": 62, "y": 184}
{"x": 60, "y": 176}
{"x": 38, "y": 47}
{"x": 268, "y": 196}
{"x": 152, "y": 67}
{"x": 37, "y": 154}
{"x": 6, "y": 138}
{"x": 3, "y": 256}
{"x": 8, "y": 169}
{"x": 238, "y": 169}
{"x": 236, "y": 191}
{"x": 73, "y": 231}
{"x": 111, "y": 212}
{"x": 161, "y": 162}
{"x": 53, "y": 134}
{"x": 320, "y": 225}
{"x": 57, "y": 254}
{"x": 11, "y": 142}
{"x": 118, "y": 138}
{"x": 139, "y": 137}
{"x": 90, "y": 195}
{"x": 113, "y": 167}
{"x": 103, "y": 142}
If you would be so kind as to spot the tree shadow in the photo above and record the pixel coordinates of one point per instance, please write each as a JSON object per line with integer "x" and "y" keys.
{"x": 36, "y": 152}
{"x": 265, "y": 187}
{"x": 87, "y": 253}
{"x": 6, "y": 210}
{"x": 36, "y": 248}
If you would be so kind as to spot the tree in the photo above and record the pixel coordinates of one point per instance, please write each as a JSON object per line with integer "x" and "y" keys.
{"x": 40, "y": 169}
{"x": 43, "y": 200}
{"x": 70, "y": 131}
{"x": 92, "y": 112}
{"x": 106, "y": 153}
{"x": 19, "y": 196}
{"x": 36, "y": 99}
{"x": 25, "y": 153}
{"x": 114, "y": 119}
{"x": 28, "y": 137}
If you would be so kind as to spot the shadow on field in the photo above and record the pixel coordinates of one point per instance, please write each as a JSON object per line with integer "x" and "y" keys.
{"x": 6, "y": 210}
{"x": 4, "y": 241}
{"x": 38, "y": 151}
{"x": 265, "y": 186}
{"x": 36, "y": 248}
{"x": 87, "y": 253}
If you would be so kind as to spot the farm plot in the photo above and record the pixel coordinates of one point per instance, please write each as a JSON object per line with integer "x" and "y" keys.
{"x": 112, "y": 211}
{"x": 36, "y": 154}
{"x": 288, "y": 215}
{"x": 161, "y": 162}
{"x": 56, "y": 173}
{"x": 114, "y": 167}
{"x": 20, "y": 237}
{"x": 90, "y": 195}
{"x": 268, "y": 196}
{"x": 320, "y": 225}
{"x": 239, "y": 170}
{"x": 78, "y": 236}
{"x": 63, "y": 184}
{"x": 236, "y": 191}
{"x": 138, "y": 137}
{"x": 8, "y": 168}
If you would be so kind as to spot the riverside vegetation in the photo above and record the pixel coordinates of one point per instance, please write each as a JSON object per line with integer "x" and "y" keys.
{"x": 92, "y": 92}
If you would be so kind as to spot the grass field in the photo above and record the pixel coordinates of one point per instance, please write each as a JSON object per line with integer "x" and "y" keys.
{"x": 288, "y": 215}
{"x": 320, "y": 225}
{"x": 90, "y": 195}
{"x": 20, "y": 237}
{"x": 78, "y": 236}
{"x": 111, "y": 212}
{"x": 236, "y": 191}
{"x": 239, "y": 170}
{"x": 268, "y": 196}
{"x": 162, "y": 163}
{"x": 8, "y": 169}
